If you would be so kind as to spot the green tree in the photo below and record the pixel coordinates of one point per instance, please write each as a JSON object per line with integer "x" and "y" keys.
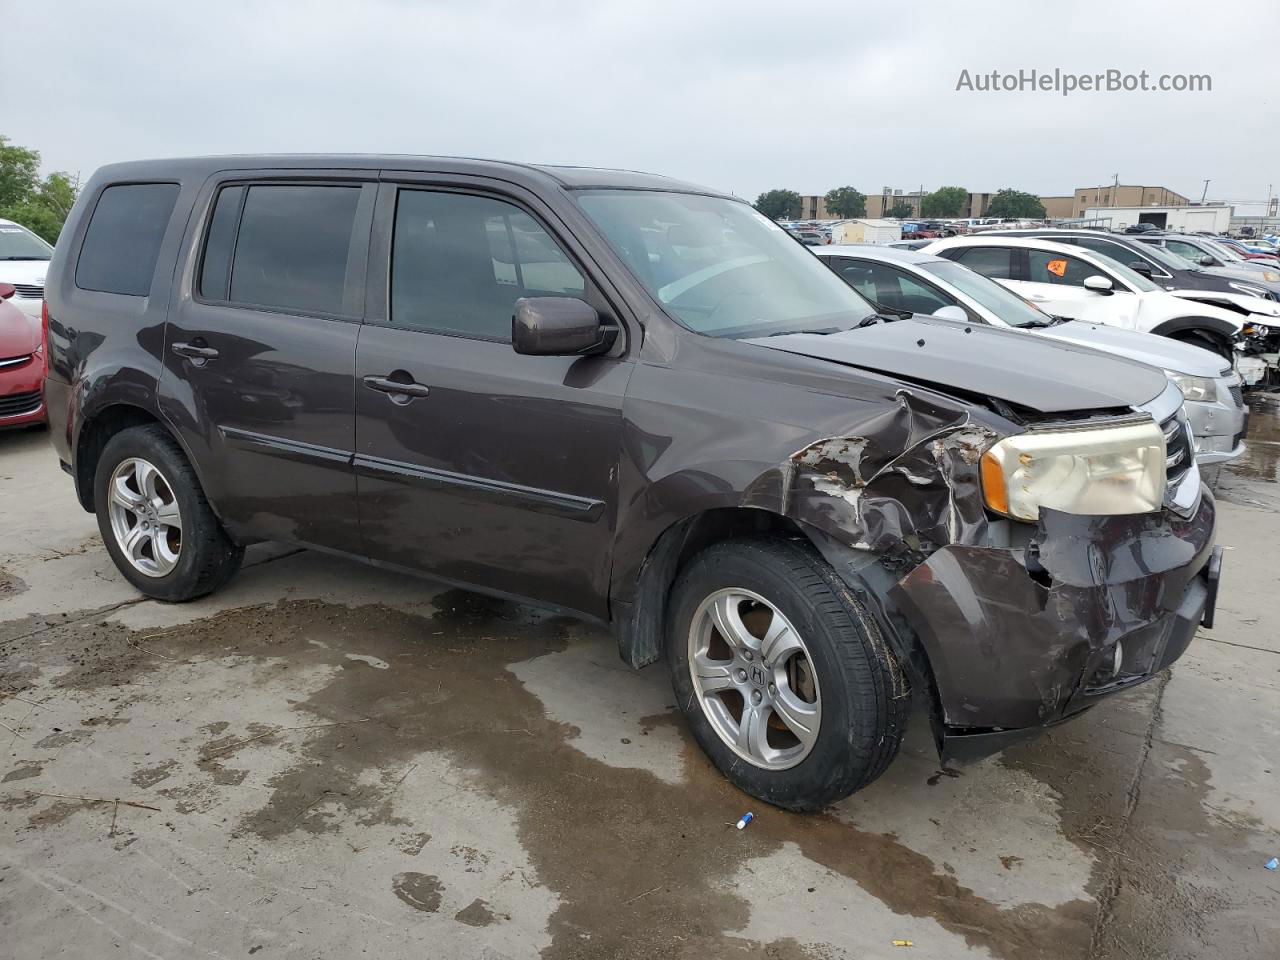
{"x": 945, "y": 202}
{"x": 46, "y": 211}
{"x": 19, "y": 174}
{"x": 40, "y": 205}
{"x": 846, "y": 202}
{"x": 899, "y": 211}
{"x": 779, "y": 204}
{"x": 1017, "y": 204}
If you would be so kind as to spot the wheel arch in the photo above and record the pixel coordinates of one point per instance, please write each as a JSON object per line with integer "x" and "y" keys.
{"x": 640, "y": 623}
{"x": 1217, "y": 330}
{"x": 97, "y": 430}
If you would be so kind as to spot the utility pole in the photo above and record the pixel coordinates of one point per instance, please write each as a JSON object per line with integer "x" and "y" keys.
{"x": 1205, "y": 192}
{"x": 1115, "y": 187}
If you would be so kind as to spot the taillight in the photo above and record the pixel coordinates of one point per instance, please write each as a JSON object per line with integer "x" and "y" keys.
{"x": 44, "y": 326}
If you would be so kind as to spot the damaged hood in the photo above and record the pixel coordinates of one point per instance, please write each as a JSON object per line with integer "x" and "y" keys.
{"x": 1149, "y": 348}
{"x": 1268, "y": 310}
{"x": 1032, "y": 372}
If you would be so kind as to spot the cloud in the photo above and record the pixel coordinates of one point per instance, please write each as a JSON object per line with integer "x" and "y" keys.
{"x": 741, "y": 95}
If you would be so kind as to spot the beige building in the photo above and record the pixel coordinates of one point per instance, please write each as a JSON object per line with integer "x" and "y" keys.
{"x": 815, "y": 208}
{"x": 1124, "y": 195}
{"x": 879, "y": 205}
{"x": 1059, "y": 208}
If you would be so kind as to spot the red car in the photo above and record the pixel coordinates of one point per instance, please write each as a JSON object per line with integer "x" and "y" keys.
{"x": 22, "y": 365}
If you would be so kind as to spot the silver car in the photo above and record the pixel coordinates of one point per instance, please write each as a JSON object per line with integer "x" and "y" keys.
{"x": 913, "y": 282}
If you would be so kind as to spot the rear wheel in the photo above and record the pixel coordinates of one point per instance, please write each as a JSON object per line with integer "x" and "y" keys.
{"x": 155, "y": 520}
{"x": 783, "y": 677}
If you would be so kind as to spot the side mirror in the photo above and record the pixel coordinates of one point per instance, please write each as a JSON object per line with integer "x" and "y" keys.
{"x": 1097, "y": 284}
{"x": 1142, "y": 267}
{"x": 559, "y": 327}
{"x": 1208, "y": 261}
{"x": 7, "y": 290}
{"x": 951, "y": 312}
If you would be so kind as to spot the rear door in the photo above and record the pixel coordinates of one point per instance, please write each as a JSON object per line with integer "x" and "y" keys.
{"x": 260, "y": 352}
{"x": 488, "y": 468}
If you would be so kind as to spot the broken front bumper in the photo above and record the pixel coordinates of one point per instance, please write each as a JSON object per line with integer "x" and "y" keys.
{"x": 1020, "y": 638}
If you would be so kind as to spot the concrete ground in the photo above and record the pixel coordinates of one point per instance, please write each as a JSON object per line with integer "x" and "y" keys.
{"x": 326, "y": 760}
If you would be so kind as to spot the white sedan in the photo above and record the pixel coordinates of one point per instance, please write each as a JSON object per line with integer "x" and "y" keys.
{"x": 24, "y": 258}
{"x": 1070, "y": 281}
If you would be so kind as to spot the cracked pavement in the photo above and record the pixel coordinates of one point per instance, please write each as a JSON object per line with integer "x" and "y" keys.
{"x": 325, "y": 759}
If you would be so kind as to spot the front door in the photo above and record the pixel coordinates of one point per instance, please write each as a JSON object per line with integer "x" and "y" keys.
{"x": 260, "y": 357}
{"x": 475, "y": 463}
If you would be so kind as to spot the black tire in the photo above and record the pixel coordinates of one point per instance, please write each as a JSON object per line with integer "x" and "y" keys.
{"x": 208, "y": 558}
{"x": 865, "y": 700}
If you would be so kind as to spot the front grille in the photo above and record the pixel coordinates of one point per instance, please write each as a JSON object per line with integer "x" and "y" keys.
{"x": 17, "y": 404}
{"x": 1177, "y": 448}
{"x": 1237, "y": 394}
{"x": 29, "y": 291}
{"x": 7, "y": 362}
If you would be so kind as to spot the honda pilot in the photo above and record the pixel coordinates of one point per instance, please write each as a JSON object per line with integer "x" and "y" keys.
{"x": 639, "y": 402}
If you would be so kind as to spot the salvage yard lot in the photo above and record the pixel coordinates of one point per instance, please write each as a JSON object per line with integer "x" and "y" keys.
{"x": 325, "y": 759}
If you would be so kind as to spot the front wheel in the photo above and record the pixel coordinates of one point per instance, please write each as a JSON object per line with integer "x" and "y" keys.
{"x": 784, "y": 679}
{"x": 155, "y": 520}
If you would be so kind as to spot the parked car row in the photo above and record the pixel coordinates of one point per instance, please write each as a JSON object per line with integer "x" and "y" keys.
{"x": 926, "y": 282}
{"x": 24, "y": 259}
{"x": 641, "y": 402}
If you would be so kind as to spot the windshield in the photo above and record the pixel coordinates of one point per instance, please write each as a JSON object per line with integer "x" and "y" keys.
{"x": 1004, "y": 303}
{"x": 1219, "y": 251}
{"x": 19, "y": 243}
{"x": 1168, "y": 259}
{"x": 721, "y": 268}
{"x": 1131, "y": 277}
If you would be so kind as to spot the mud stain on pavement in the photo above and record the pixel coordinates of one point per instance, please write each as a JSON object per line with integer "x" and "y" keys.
{"x": 476, "y": 914}
{"x": 640, "y": 865}
{"x": 11, "y": 584}
{"x": 150, "y": 776}
{"x": 23, "y": 771}
{"x": 419, "y": 890}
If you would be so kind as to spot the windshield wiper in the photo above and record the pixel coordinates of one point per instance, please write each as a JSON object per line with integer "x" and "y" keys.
{"x": 1041, "y": 324}
{"x": 25, "y": 258}
{"x": 787, "y": 333}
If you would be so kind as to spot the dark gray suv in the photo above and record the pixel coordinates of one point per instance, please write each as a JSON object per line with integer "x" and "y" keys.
{"x": 640, "y": 402}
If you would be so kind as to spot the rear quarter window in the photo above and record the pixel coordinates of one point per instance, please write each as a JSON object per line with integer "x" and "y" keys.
{"x": 122, "y": 243}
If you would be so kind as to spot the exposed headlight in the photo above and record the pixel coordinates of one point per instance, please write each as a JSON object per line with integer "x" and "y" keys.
{"x": 1271, "y": 276}
{"x": 1194, "y": 388}
{"x": 1097, "y": 472}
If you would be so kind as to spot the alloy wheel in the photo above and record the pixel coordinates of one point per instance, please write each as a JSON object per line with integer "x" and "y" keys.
{"x": 754, "y": 679}
{"x": 145, "y": 517}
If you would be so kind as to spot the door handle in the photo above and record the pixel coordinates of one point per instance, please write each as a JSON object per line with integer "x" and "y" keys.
{"x": 396, "y": 387}
{"x": 195, "y": 351}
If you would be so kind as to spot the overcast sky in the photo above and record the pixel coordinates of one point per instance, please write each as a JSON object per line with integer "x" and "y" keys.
{"x": 741, "y": 95}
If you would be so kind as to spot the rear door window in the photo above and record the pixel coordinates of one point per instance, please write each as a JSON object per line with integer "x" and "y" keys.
{"x": 290, "y": 251}
{"x": 994, "y": 262}
{"x": 123, "y": 241}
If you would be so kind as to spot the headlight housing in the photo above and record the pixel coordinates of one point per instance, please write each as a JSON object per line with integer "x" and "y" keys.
{"x": 1248, "y": 288}
{"x": 1093, "y": 471}
{"x": 1200, "y": 389}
